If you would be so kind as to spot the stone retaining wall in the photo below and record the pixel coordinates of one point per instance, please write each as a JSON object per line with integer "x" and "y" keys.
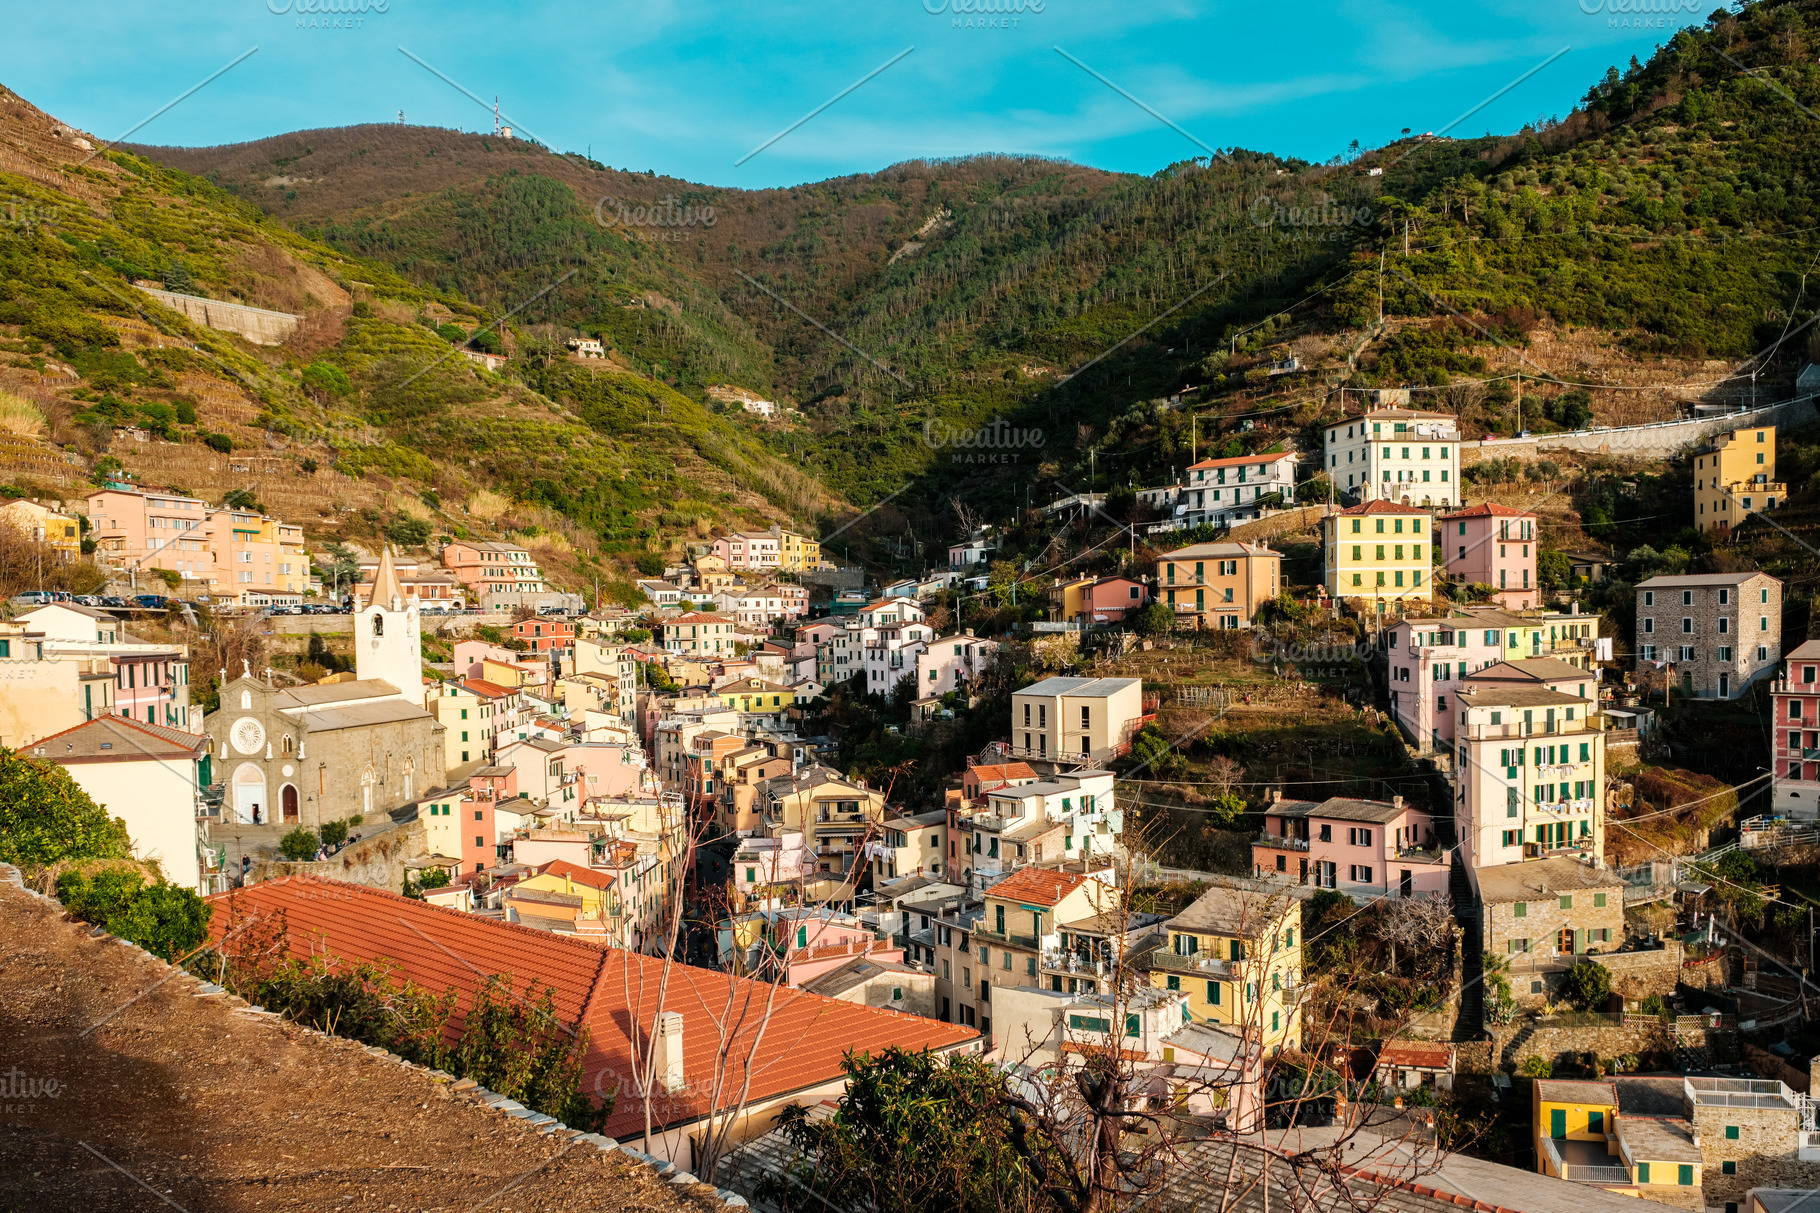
{"x": 1607, "y": 1040}
{"x": 377, "y": 862}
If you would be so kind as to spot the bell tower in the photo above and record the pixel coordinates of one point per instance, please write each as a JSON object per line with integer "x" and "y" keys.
{"x": 388, "y": 635}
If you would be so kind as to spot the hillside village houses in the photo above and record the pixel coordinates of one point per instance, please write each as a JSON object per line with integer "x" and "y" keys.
{"x": 1375, "y": 556}
{"x": 1396, "y": 455}
{"x": 59, "y": 531}
{"x": 1494, "y": 545}
{"x": 233, "y": 555}
{"x": 1711, "y": 634}
{"x": 1220, "y": 586}
{"x": 1735, "y": 477}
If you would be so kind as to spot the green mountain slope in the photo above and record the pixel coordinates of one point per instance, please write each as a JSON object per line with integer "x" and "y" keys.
{"x": 1657, "y": 237}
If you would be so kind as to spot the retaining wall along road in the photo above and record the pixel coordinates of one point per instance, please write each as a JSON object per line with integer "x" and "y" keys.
{"x": 1658, "y": 440}
{"x": 256, "y": 324}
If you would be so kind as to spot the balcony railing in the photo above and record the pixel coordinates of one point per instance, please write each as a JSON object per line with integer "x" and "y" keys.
{"x": 1211, "y": 966}
{"x": 1585, "y": 1173}
{"x": 1278, "y": 842}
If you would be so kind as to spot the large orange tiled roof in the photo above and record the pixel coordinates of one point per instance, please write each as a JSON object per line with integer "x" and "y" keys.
{"x": 611, "y": 991}
{"x": 580, "y": 875}
{"x": 1037, "y": 886}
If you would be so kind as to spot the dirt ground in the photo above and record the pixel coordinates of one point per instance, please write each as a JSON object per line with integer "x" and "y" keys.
{"x": 120, "y": 1089}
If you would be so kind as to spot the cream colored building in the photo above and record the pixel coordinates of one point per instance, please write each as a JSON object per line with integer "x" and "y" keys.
{"x": 59, "y": 530}
{"x": 1531, "y": 775}
{"x": 1076, "y": 720}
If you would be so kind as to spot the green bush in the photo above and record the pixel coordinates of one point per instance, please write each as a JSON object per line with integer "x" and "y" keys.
{"x": 452, "y": 332}
{"x": 299, "y": 845}
{"x": 218, "y": 442}
{"x": 650, "y": 564}
{"x": 408, "y": 532}
{"x": 334, "y": 833}
{"x": 1155, "y": 619}
{"x": 1536, "y": 1067}
{"x": 165, "y": 920}
{"x": 326, "y": 380}
{"x": 1589, "y": 985}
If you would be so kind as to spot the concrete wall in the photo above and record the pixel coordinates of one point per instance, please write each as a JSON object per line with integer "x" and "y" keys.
{"x": 1655, "y": 441}
{"x": 1514, "y": 1043}
{"x": 256, "y": 324}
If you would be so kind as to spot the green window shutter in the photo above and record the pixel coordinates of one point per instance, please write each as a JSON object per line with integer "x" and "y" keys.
{"x": 1522, "y": 909}
{"x": 1131, "y": 1026}
{"x": 1731, "y": 1132}
{"x": 1598, "y": 900}
{"x": 1595, "y": 1122}
{"x": 1642, "y": 1172}
{"x": 1174, "y": 982}
{"x": 1213, "y": 993}
{"x": 1557, "y": 1123}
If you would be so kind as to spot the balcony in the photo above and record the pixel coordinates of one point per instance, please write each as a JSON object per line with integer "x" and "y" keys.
{"x": 1585, "y": 1162}
{"x": 1277, "y": 842}
{"x": 1204, "y": 966}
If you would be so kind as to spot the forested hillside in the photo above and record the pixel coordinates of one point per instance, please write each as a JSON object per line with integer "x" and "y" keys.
{"x": 1624, "y": 261}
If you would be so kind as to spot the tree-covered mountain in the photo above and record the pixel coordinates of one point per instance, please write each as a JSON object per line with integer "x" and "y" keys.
{"x": 1654, "y": 239}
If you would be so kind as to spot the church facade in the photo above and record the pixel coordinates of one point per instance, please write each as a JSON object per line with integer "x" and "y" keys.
{"x": 335, "y": 750}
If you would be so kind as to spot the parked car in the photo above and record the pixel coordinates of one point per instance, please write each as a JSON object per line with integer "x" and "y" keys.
{"x": 114, "y": 600}
{"x": 33, "y": 598}
{"x": 88, "y": 600}
{"x": 156, "y": 602}
{"x": 61, "y": 596}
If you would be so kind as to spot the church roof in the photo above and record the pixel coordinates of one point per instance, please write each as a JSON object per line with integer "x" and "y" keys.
{"x": 361, "y": 715}
{"x": 325, "y": 693}
{"x": 386, "y": 589}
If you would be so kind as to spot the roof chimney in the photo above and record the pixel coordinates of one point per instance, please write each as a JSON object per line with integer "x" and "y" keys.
{"x": 667, "y": 1050}
{"x": 1397, "y": 800}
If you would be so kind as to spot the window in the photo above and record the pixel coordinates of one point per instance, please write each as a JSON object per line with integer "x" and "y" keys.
{"x": 1642, "y": 1172}
{"x": 1522, "y": 909}
{"x": 1567, "y": 901}
{"x": 1213, "y": 993}
{"x": 1649, "y": 598}
{"x": 1728, "y": 1167}
{"x": 1731, "y": 1132}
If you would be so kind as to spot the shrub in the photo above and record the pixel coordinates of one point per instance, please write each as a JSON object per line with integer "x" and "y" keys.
{"x": 45, "y": 817}
{"x": 408, "y": 532}
{"x": 326, "y": 380}
{"x": 218, "y": 442}
{"x": 1536, "y": 1067}
{"x": 164, "y": 919}
{"x": 1155, "y": 619}
{"x": 299, "y": 845}
{"x": 650, "y": 564}
{"x": 452, "y": 332}
{"x": 334, "y": 833}
{"x": 186, "y": 412}
{"x": 1589, "y": 985}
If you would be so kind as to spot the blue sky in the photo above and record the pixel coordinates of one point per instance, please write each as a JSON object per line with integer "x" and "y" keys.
{"x": 690, "y": 88}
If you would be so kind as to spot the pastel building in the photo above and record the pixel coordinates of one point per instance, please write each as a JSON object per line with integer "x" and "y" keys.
{"x": 138, "y": 531}
{"x": 1224, "y": 489}
{"x": 1735, "y": 477}
{"x": 1530, "y": 780}
{"x": 1494, "y": 545}
{"x": 949, "y": 663}
{"x": 1218, "y": 585}
{"x": 1395, "y": 454}
{"x": 1367, "y": 849}
{"x": 1378, "y": 553}
{"x": 1713, "y": 633}
{"x": 1795, "y": 743}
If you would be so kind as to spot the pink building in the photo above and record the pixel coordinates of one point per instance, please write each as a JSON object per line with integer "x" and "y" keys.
{"x": 747, "y": 550}
{"x": 142, "y": 531}
{"x": 1112, "y": 599}
{"x": 950, "y": 662}
{"x": 1364, "y": 848}
{"x": 761, "y": 863}
{"x": 153, "y": 685}
{"x": 1796, "y": 745}
{"x": 802, "y": 944}
{"x": 1491, "y": 544}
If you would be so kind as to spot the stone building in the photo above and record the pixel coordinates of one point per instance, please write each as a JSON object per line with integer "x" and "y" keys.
{"x": 334, "y": 750}
{"x": 1544, "y": 916}
{"x": 1713, "y": 634}
{"x": 311, "y": 754}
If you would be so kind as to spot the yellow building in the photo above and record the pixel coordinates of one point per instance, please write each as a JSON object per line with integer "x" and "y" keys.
{"x": 1735, "y": 477}
{"x": 1236, "y": 954}
{"x": 1067, "y": 598}
{"x": 796, "y": 552}
{"x": 444, "y": 820}
{"x": 60, "y": 531}
{"x": 1582, "y": 1134}
{"x": 465, "y": 739}
{"x": 599, "y": 899}
{"x": 755, "y": 695}
{"x": 1379, "y": 553}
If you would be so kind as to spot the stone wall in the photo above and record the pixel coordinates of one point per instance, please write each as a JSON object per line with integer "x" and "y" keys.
{"x": 1514, "y": 1043}
{"x": 256, "y": 324}
{"x": 1763, "y": 1152}
{"x": 377, "y": 862}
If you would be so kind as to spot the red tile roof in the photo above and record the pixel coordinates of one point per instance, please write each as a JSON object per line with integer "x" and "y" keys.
{"x": 1489, "y": 509}
{"x": 1002, "y": 772}
{"x": 577, "y": 873}
{"x": 1235, "y": 460}
{"x": 1417, "y": 1053}
{"x": 492, "y": 690}
{"x": 611, "y": 991}
{"x": 1037, "y": 887}
{"x": 1382, "y": 507}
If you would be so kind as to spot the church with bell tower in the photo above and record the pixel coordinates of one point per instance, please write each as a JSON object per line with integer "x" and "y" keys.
{"x": 388, "y": 635}
{"x": 338, "y": 749}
